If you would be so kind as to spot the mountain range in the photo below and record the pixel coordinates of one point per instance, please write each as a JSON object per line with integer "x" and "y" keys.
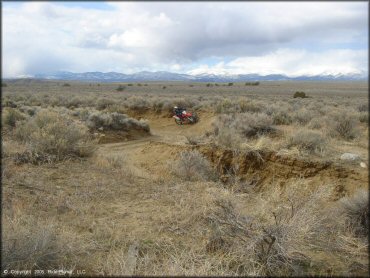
{"x": 170, "y": 76}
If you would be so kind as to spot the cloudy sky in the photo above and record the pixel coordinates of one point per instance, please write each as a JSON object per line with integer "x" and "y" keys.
{"x": 187, "y": 37}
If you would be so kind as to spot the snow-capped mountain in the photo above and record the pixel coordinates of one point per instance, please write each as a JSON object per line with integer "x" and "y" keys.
{"x": 204, "y": 77}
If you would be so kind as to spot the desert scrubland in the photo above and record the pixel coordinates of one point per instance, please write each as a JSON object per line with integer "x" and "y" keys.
{"x": 98, "y": 177}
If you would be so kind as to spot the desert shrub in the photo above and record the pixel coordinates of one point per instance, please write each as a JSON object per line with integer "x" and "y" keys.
{"x": 31, "y": 111}
{"x": 209, "y": 85}
{"x": 66, "y": 85}
{"x": 348, "y": 229}
{"x": 277, "y": 238}
{"x": 103, "y": 103}
{"x": 192, "y": 165}
{"x": 9, "y": 103}
{"x": 138, "y": 103}
{"x": 115, "y": 121}
{"x": 248, "y": 125}
{"x": 192, "y": 140}
{"x": 343, "y": 125}
{"x": 307, "y": 140}
{"x": 30, "y": 243}
{"x": 250, "y": 106}
{"x": 158, "y": 106}
{"x": 255, "y": 125}
{"x": 54, "y": 137}
{"x": 83, "y": 114}
{"x": 114, "y": 161}
{"x": 230, "y": 84}
{"x": 355, "y": 210}
{"x": 281, "y": 118}
{"x": 73, "y": 102}
{"x": 316, "y": 123}
{"x": 302, "y": 116}
{"x": 164, "y": 87}
{"x": 11, "y": 117}
{"x": 252, "y": 83}
{"x": 227, "y": 137}
{"x": 280, "y": 113}
{"x": 299, "y": 95}
{"x": 363, "y": 107}
{"x": 225, "y": 106}
{"x": 4, "y": 84}
{"x": 120, "y": 88}
{"x": 364, "y": 117}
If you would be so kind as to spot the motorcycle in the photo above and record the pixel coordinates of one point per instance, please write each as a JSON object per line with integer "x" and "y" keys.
{"x": 186, "y": 118}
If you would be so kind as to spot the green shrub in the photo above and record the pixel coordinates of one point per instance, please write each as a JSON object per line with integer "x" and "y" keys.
{"x": 66, "y": 85}
{"x": 300, "y": 95}
{"x": 230, "y": 84}
{"x": 252, "y": 83}
{"x": 120, "y": 88}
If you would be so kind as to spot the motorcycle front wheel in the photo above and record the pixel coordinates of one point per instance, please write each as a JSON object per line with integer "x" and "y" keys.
{"x": 178, "y": 121}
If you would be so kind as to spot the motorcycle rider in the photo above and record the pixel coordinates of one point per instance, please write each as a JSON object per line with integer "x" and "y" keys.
{"x": 178, "y": 111}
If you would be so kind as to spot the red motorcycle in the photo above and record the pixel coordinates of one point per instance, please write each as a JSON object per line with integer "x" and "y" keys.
{"x": 184, "y": 117}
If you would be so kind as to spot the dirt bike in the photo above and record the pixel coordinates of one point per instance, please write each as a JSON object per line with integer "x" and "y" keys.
{"x": 186, "y": 118}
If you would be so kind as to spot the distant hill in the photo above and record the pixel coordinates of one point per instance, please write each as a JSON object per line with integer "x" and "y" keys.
{"x": 170, "y": 76}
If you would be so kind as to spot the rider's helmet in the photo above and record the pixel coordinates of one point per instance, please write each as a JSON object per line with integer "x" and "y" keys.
{"x": 175, "y": 107}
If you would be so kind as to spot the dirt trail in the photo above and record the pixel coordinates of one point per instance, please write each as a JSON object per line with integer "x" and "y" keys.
{"x": 149, "y": 157}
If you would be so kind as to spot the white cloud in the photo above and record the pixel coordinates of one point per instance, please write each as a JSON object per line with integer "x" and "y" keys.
{"x": 294, "y": 62}
{"x": 41, "y": 36}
